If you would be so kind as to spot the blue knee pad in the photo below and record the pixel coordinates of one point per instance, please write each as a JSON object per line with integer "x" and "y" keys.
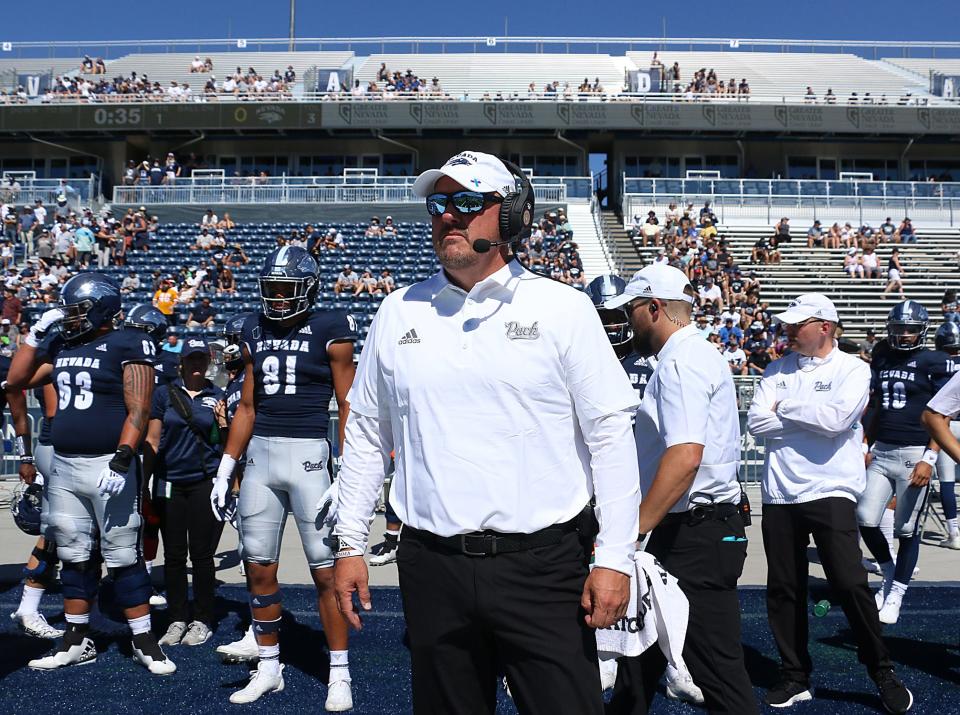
{"x": 131, "y": 585}
{"x": 80, "y": 580}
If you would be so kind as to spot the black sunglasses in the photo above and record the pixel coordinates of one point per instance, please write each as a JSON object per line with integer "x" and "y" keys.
{"x": 465, "y": 202}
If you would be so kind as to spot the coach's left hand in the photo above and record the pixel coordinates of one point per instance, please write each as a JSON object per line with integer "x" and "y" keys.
{"x": 606, "y": 595}
{"x": 920, "y": 476}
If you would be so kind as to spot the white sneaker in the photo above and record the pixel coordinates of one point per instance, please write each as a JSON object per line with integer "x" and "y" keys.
{"x": 384, "y": 553}
{"x": 81, "y": 654}
{"x": 608, "y": 673}
{"x": 891, "y": 608}
{"x": 680, "y": 686}
{"x": 197, "y": 634}
{"x": 883, "y": 592}
{"x": 339, "y": 696}
{"x": 152, "y": 657}
{"x": 240, "y": 651}
{"x": 34, "y": 624}
{"x": 951, "y": 542}
{"x": 158, "y": 600}
{"x": 174, "y": 633}
{"x": 259, "y": 685}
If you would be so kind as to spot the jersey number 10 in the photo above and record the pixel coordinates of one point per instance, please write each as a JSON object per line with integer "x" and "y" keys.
{"x": 272, "y": 377}
{"x": 895, "y": 398}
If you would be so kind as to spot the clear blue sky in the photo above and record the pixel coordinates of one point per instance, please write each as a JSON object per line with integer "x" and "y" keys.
{"x": 93, "y": 20}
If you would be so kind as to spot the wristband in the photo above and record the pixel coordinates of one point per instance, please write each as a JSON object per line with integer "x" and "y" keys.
{"x": 26, "y": 459}
{"x": 930, "y": 457}
{"x": 21, "y": 446}
{"x": 226, "y": 466}
{"x": 122, "y": 459}
{"x": 345, "y": 551}
{"x": 32, "y": 340}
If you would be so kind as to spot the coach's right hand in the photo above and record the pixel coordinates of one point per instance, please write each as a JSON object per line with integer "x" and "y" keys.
{"x": 350, "y": 575}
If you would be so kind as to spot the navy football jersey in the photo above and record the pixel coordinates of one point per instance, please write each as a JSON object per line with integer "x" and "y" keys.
{"x": 233, "y": 390}
{"x": 89, "y": 382}
{"x": 902, "y": 385}
{"x": 294, "y": 383}
{"x": 638, "y": 369}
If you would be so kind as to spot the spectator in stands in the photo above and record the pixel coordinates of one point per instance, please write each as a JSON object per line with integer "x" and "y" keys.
{"x": 810, "y": 97}
{"x": 387, "y": 283}
{"x": 650, "y": 231}
{"x": 45, "y": 246}
{"x": 6, "y": 254}
{"x": 131, "y": 282}
{"x": 710, "y": 293}
{"x": 366, "y": 283}
{"x": 12, "y": 306}
{"x": 853, "y": 264}
{"x": 735, "y": 357}
{"x": 226, "y": 283}
{"x": 895, "y": 274}
{"x": 730, "y": 331}
{"x": 389, "y": 228}
{"x": 765, "y": 251}
{"x": 374, "y": 230}
{"x": 202, "y": 315}
{"x": 197, "y": 65}
{"x": 758, "y": 357}
{"x": 830, "y": 97}
{"x": 888, "y": 232}
{"x": 84, "y": 240}
{"x": 905, "y": 232}
{"x": 209, "y": 219}
{"x": 347, "y": 280}
{"x": 949, "y": 306}
{"x": 165, "y": 299}
{"x": 782, "y": 230}
{"x": 815, "y": 235}
{"x": 333, "y": 240}
{"x": 226, "y": 223}
{"x": 865, "y": 348}
{"x": 871, "y": 265}
{"x": 204, "y": 241}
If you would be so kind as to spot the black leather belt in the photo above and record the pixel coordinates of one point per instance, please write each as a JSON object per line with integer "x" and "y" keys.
{"x": 491, "y": 543}
{"x": 703, "y": 512}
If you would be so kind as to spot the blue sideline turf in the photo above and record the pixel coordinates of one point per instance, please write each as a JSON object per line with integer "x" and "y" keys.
{"x": 924, "y": 644}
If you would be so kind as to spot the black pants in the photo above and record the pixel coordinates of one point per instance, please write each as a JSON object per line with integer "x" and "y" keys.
{"x": 471, "y": 618}
{"x": 786, "y": 534}
{"x": 707, "y": 569}
{"x": 187, "y": 524}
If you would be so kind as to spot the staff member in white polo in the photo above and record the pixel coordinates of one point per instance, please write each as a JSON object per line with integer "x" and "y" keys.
{"x": 808, "y": 408}
{"x": 508, "y": 411}
{"x": 688, "y": 443}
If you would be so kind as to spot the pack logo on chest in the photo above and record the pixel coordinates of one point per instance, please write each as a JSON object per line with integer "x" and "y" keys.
{"x": 516, "y": 331}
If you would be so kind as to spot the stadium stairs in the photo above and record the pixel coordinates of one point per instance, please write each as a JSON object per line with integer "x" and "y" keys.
{"x": 589, "y": 243}
{"x": 931, "y": 266}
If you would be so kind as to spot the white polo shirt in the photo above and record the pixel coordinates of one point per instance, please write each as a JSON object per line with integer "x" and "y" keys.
{"x": 947, "y": 400}
{"x": 690, "y": 399}
{"x": 507, "y": 410}
{"x": 814, "y": 438}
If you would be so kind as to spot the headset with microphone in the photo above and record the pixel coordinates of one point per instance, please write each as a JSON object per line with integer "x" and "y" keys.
{"x": 516, "y": 213}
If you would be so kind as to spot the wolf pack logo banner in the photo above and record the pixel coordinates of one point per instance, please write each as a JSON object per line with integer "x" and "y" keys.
{"x": 331, "y": 80}
{"x": 34, "y": 84}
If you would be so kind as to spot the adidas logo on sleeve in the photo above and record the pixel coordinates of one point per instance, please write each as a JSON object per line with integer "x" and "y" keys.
{"x": 410, "y": 338}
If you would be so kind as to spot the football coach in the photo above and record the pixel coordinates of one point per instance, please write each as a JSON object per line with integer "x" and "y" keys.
{"x": 688, "y": 445}
{"x": 508, "y": 412}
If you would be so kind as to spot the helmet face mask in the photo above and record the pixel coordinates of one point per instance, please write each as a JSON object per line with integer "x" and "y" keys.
{"x": 89, "y": 301}
{"x": 75, "y": 323}
{"x": 615, "y": 322}
{"x": 288, "y": 283}
{"x": 907, "y": 326}
{"x": 617, "y": 326}
{"x": 25, "y": 507}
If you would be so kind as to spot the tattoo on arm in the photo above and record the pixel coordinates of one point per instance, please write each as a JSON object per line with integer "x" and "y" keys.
{"x": 137, "y": 393}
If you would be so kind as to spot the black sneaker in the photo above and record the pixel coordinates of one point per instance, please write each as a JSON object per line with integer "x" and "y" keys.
{"x": 894, "y": 695}
{"x": 787, "y": 693}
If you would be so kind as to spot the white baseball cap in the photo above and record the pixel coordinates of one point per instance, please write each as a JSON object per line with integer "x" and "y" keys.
{"x": 655, "y": 281}
{"x": 473, "y": 170}
{"x": 807, "y": 306}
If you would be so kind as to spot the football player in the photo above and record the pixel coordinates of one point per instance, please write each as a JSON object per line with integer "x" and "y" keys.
{"x": 40, "y": 569}
{"x": 154, "y": 323}
{"x": 639, "y": 369}
{"x": 295, "y": 358}
{"x": 104, "y": 379}
{"x": 947, "y": 339}
{"x": 244, "y": 649}
{"x": 905, "y": 376}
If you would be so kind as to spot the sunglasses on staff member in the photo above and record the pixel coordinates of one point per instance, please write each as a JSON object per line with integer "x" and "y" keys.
{"x": 465, "y": 202}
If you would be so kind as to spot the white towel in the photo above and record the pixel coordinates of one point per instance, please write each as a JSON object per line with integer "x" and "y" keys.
{"x": 657, "y": 613}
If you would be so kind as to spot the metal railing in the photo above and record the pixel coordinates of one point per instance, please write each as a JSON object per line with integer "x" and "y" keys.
{"x": 656, "y": 98}
{"x": 607, "y": 242}
{"x": 18, "y": 189}
{"x": 768, "y": 200}
{"x": 316, "y": 189}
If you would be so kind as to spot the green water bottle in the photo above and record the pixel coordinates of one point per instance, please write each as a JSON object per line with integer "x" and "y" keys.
{"x": 821, "y": 608}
